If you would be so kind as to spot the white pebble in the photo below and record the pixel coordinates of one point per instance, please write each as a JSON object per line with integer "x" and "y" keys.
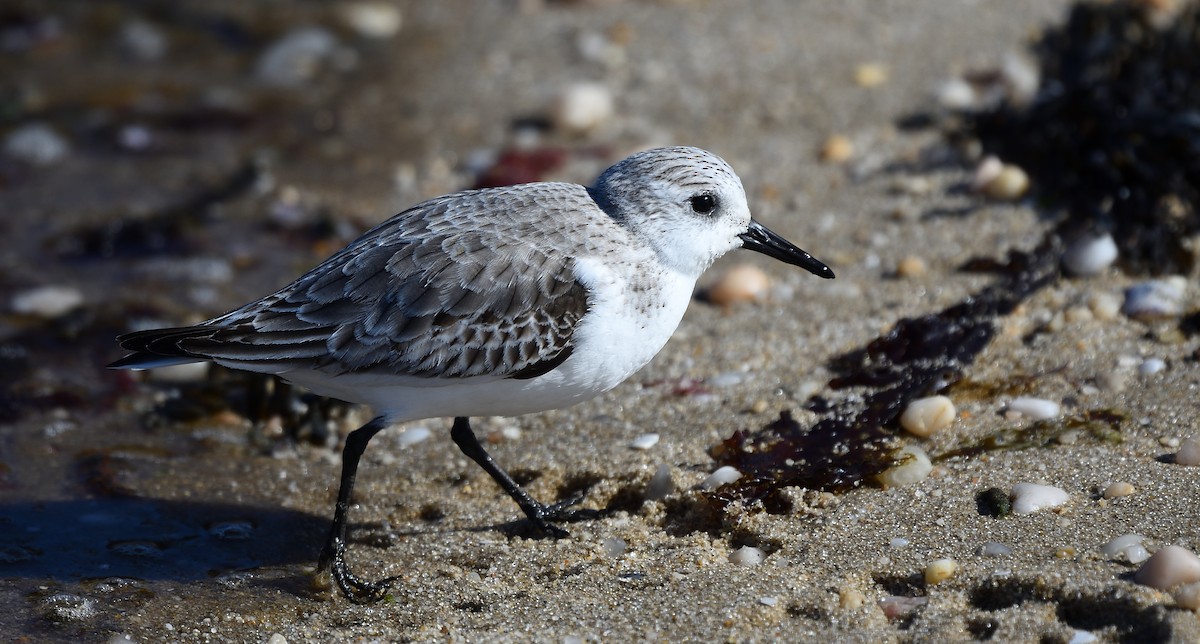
{"x": 295, "y": 59}
{"x": 143, "y": 41}
{"x": 1031, "y": 497}
{"x": 47, "y": 302}
{"x": 1082, "y": 637}
{"x": 1155, "y": 299}
{"x": 1034, "y": 408}
{"x": 643, "y": 442}
{"x": 924, "y": 416}
{"x": 1118, "y": 546}
{"x": 1151, "y": 366}
{"x": 747, "y": 556}
{"x": 1188, "y": 596}
{"x": 722, "y": 475}
{"x": 1136, "y": 554}
{"x": 741, "y": 283}
{"x": 994, "y": 549}
{"x": 940, "y": 570}
{"x": 276, "y": 638}
{"x": 36, "y": 144}
{"x": 1090, "y": 255}
{"x": 988, "y": 169}
{"x": 612, "y": 547}
{"x": 661, "y": 485}
{"x": 898, "y": 542}
{"x": 582, "y": 107}
{"x": 1169, "y": 567}
{"x": 914, "y": 466}
{"x": 372, "y": 19}
{"x": 955, "y": 94}
{"x": 412, "y": 436}
{"x": 768, "y": 600}
{"x": 1189, "y": 452}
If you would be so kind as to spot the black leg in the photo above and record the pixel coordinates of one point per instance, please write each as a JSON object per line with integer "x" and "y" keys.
{"x": 541, "y": 515}
{"x": 333, "y": 555}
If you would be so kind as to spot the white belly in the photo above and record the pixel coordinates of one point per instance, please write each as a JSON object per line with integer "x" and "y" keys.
{"x": 631, "y": 317}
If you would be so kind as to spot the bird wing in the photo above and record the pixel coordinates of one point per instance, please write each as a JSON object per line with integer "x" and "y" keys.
{"x": 477, "y": 283}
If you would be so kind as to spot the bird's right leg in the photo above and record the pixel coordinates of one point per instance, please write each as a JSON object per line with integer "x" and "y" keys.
{"x": 539, "y": 513}
{"x": 333, "y": 555}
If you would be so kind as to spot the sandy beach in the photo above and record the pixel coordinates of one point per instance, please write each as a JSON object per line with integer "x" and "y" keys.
{"x": 195, "y": 172}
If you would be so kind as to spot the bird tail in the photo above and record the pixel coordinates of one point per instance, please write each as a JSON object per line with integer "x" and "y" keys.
{"x": 158, "y": 348}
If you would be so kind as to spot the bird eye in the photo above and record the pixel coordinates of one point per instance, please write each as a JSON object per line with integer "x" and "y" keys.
{"x": 704, "y": 203}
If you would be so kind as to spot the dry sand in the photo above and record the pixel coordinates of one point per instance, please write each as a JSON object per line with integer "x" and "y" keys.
{"x": 763, "y": 84}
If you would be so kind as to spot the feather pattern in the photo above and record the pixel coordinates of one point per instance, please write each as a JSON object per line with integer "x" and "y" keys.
{"x": 442, "y": 290}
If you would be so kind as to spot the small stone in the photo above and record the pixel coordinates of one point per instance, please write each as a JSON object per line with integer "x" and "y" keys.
{"x": 940, "y": 570}
{"x": 722, "y": 475}
{"x": 994, "y": 549}
{"x": 1118, "y": 490}
{"x": 850, "y": 598}
{"x": 644, "y": 442}
{"x": 1151, "y": 366}
{"x": 276, "y": 638}
{"x": 1189, "y": 452}
{"x": 612, "y": 547}
{"x": 1188, "y": 596}
{"x": 837, "y": 149}
{"x": 1082, "y": 637}
{"x": 898, "y": 606}
{"x": 1105, "y": 306}
{"x": 741, "y": 283}
{"x": 36, "y": 144}
{"x": 911, "y": 266}
{"x": 377, "y": 20}
{"x": 1032, "y": 497}
{"x": 1010, "y": 184}
{"x": 1090, "y": 255}
{"x": 661, "y": 484}
{"x": 582, "y": 107}
{"x": 870, "y": 75}
{"x": 1121, "y": 545}
{"x": 296, "y": 58}
{"x": 47, "y": 302}
{"x": 913, "y": 466}
{"x": 956, "y": 94}
{"x": 1034, "y": 408}
{"x": 1168, "y": 568}
{"x": 925, "y": 416}
{"x": 747, "y": 556}
{"x": 1155, "y": 299}
{"x": 768, "y": 600}
{"x": 143, "y": 41}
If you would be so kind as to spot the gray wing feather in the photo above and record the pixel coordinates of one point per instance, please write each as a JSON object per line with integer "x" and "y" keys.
{"x": 452, "y": 288}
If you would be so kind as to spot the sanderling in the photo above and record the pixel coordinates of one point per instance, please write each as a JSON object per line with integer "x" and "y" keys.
{"x": 491, "y": 302}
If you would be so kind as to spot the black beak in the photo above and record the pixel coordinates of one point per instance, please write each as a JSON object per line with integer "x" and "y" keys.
{"x": 760, "y": 238}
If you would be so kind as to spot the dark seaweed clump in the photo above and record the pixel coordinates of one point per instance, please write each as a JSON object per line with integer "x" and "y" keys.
{"x": 1113, "y": 134}
{"x": 918, "y": 357}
